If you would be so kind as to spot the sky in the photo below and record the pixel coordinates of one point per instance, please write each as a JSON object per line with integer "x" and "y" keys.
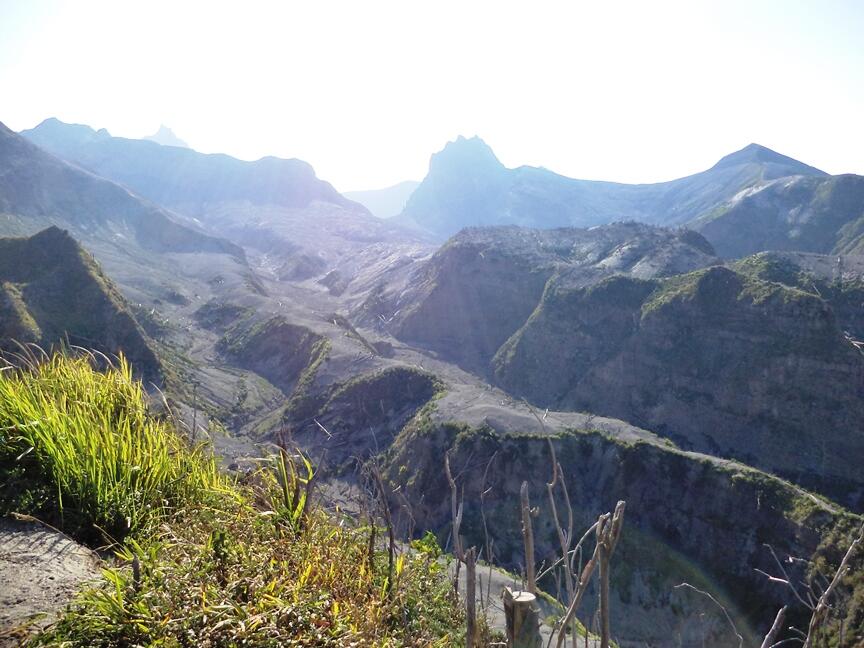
{"x": 366, "y": 91}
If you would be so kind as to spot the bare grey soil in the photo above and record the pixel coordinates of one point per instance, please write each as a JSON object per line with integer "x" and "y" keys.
{"x": 40, "y": 572}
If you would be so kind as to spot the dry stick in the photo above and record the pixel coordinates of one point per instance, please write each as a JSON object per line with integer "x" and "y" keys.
{"x": 775, "y": 628}
{"x": 388, "y": 521}
{"x": 370, "y": 557}
{"x": 718, "y": 604}
{"x": 821, "y": 611}
{"x": 607, "y": 543}
{"x": 577, "y": 548}
{"x": 785, "y": 580}
{"x": 470, "y": 596}
{"x": 488, "y": 542}
{"x": 528, "y": 539}
{"x": 564, "y": 537}
{"x": 469, "y": 558}
{"x": 456, "y": 514}
{"x": 584, "y": 579}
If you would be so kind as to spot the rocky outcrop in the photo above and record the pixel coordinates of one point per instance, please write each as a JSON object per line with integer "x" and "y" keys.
{"x": 717, "y": 360}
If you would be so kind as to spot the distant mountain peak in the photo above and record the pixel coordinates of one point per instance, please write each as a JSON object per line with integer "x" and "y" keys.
{"x": 465, "y": 152}
{"x": 166, "y": 137}
{"x": 71, "y": 133}
{"x": 756, "y": 153}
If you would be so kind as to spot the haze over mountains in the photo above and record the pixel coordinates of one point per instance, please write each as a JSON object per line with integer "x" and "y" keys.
{"x": 387, "y": 202}
{"x": 683, "y": 366}
{"x": 468, "y": 186}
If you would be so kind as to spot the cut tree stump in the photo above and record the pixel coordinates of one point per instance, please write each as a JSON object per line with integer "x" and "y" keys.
{"x": 523, "y": 619}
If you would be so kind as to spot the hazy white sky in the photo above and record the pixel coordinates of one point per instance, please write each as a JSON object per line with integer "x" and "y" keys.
{"x": 365, "y": 91}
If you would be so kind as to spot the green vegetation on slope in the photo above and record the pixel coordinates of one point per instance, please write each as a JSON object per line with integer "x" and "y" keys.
{"x": 89, "y": 455}
{"x": 203, "y": 561}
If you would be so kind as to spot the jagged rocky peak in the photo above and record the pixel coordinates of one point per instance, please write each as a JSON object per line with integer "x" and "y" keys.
{"x": 758, "y": 154}
{"x": 166, "y": 137}
{"x": 465, "y": 155}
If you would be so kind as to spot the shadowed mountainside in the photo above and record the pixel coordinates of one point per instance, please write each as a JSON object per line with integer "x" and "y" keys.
{"x": 52, "y": 292}
{"x": 690, "y": 518}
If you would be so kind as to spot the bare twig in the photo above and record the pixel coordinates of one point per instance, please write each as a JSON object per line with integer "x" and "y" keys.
{"x": 565, "y": 537}
{"x": 776, "y": 627}
{"x": 607, "y": 543}
{"x": 584, "y": 579}
{"x": 528, "y": 539}
{"x": 719, "y": 605}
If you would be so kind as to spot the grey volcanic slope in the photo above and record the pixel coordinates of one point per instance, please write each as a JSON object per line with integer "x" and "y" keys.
{"x": 481, "y": 287}
{"x": 468, "y": 186}
{"x": 802, "y": 213}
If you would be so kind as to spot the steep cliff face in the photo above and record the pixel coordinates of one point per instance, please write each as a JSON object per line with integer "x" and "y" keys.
{"x": 717, "y": 360}
{"x": 52, "y": 291}
{"x": 479, "y": 288}
{"x": 689, "y": 517}
{"x": 802, "y": 213}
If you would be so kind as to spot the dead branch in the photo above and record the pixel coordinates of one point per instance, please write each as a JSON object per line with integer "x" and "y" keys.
{"x": 564, "y": 537}
{"x": 470, "y": 597}
{"x": 388, "y": 521}
{"x": 584, "y": 579}
{"x": 719, "y": 605}
{"x": 486, "y": 537}
{"x": 607, "y": 544}
{"x": 776, "y": 627}
{"x": 469, "y": 558}
{"x": 528, "y": 539}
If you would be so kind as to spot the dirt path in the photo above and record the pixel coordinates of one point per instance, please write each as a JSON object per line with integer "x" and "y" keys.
{"x": 40, "y": 571}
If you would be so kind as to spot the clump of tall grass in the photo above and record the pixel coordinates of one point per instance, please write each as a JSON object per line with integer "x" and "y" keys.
{"x": 84, "y": 439}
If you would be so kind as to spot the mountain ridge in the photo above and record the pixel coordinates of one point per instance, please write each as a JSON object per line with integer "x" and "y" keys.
{"x": 468, "y": 186}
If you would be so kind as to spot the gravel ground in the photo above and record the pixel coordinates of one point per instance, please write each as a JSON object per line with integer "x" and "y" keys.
{"x": 40, "y": 571}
